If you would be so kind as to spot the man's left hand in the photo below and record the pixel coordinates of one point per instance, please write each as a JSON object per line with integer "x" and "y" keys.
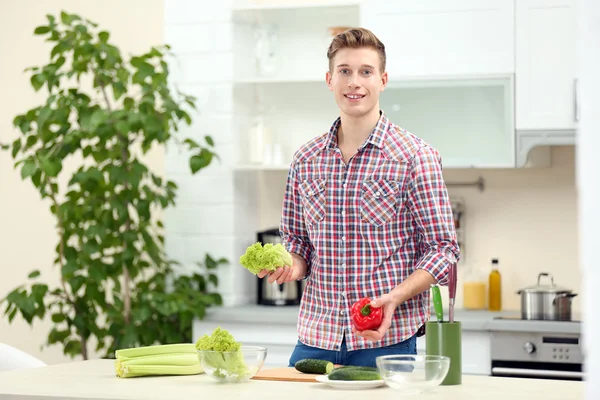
{"x": 389, "y": 307}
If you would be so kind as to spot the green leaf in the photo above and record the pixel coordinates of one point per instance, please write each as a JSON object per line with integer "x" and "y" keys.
{"x": 76, "y": 283}
{"x": 28, "y": 169}
{"x": 209, "y": 141}
{"x": 209, "y": 262}
{"x": 98, "y": 118}
{"x": 43, "y": 116}
{"x": 97, "y": 274}
{"x": 66, "y": 18}
{"x": 38, "y": 291}
{"x": 34, "y": 274}
{"x": 216, "y": 298}
{"x": 69, "y": 268}
{"x": 201, "y": 160}
{"x": 58, "y": 317}
{"x": 191, "y": 143}
{"x": 51, "y": 167}
{"x": 119, "y": 90}
{"x": 12, "y": 314}
{"x": 73, "y": 347}
{"x": 37, "y": 81}
{"x": 40, "y": 30}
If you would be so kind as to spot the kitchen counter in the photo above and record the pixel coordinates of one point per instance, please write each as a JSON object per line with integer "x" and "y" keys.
{"x": 472, "y": 320}
{"x": 95, "y": 379}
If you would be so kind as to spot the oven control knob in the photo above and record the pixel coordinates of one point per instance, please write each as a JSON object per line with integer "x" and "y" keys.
{"x": 529, "y": 347}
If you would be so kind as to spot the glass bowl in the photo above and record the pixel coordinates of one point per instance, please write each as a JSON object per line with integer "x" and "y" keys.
{"x": 413, "y": 373}
{"x": 233, "y": 366}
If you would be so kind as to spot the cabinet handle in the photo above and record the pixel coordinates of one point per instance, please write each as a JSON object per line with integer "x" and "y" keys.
{"x": 576, "y": 99}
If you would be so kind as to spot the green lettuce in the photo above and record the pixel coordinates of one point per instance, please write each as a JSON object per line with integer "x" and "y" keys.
{"x": 222, "y": 353}
{"x": 269, "y": 257}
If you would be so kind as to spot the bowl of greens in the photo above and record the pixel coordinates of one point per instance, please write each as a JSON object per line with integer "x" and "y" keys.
{"x": 226, "y": 360}
{"x": 233, "y": 366}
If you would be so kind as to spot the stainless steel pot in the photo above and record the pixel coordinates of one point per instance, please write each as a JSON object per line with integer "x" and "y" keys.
{"x": 546, "y": 302}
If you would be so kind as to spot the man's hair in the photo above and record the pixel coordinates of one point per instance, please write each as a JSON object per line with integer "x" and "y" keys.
{"x": 356, "y": 38}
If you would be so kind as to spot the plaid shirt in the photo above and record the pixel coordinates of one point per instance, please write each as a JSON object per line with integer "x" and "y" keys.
{"x": 364, "y": 227}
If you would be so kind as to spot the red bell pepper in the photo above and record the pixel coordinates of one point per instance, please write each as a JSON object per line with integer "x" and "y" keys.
{"x": 366, "y": 317}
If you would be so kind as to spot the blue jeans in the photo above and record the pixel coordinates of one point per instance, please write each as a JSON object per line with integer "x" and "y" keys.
{"x": 364, "y": 357}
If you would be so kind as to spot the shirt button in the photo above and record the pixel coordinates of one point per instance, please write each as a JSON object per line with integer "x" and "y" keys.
{"x": 344, "y": 238}
{"x": 343, "y": 294}
{"x": 342, "y": 312}
{"x": 377, "y": 194}
{"x": 343, "y": 212}
{"x": 344, "y": 265}
{"x": 345, "y": 185}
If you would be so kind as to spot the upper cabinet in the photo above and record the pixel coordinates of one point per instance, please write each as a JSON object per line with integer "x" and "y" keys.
{"x": 483, "y": 81}
{"x": 546, "y": 83}
{"x": 469, "y": 121}
{"x": 444, "y": 38}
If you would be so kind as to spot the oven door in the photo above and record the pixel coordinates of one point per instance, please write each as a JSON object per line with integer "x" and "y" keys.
{"x": 536, "y": 355}
{"x": 537, "y": 370}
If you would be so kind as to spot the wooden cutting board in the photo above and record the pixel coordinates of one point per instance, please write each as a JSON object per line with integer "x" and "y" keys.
{"x": 284, "y": 374}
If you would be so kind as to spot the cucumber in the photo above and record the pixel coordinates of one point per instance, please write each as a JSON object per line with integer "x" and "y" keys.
{"x": 353, "y": 374}
{"x": 358, "y": 367}
{"x": 314, "y": 366}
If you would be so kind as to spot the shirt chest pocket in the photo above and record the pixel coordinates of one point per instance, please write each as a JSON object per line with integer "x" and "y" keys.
{"x": 313, "y": 200}
{"x": 379, "y": 201}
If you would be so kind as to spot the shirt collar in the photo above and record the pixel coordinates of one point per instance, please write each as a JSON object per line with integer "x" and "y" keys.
{"x": 376, "y": 138}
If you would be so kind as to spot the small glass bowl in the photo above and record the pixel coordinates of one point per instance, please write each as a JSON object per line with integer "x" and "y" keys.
{"x": 413, "y": 373}
{"x": 233, "y": 366}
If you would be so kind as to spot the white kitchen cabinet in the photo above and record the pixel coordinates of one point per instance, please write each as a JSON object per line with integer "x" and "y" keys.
{"x": 443, "y": 38}
{"x": 469, "y": 121}
{"x": 546, "y": 82}
{"x": 476, "y": 355}
{"x": 286, "y": 41}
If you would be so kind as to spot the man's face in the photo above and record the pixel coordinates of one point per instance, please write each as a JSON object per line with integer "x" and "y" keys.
{"x": 356, "y": 80}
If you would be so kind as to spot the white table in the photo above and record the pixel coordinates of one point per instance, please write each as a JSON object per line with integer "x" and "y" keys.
{"x": 95, "y": 379}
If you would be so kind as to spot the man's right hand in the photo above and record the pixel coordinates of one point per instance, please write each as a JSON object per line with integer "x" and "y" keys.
{"x": 287, "y": 273}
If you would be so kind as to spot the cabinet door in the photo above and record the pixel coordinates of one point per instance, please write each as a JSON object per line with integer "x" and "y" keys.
{"x": 443, "y": 38}
{"x": 546, "y": 53}
{"x": 469, "y": 121}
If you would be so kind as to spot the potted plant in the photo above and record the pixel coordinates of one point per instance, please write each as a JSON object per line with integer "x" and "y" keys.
{"x": 102, "y": 113}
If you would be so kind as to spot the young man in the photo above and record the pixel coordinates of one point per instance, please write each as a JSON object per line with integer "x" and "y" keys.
{"x": 365, "y": 214}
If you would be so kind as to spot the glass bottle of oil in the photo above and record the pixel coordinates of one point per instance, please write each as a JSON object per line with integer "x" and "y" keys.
{"x": 495, "y": 288}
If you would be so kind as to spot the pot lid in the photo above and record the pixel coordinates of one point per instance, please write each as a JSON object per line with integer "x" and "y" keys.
{"x": 546, "y": 288}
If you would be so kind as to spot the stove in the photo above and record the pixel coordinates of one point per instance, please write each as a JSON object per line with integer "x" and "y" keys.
{"x": 536, "y": 349}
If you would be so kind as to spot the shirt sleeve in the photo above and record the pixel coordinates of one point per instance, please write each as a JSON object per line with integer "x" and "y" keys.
{"x": 292, "y": 228}
{"x": 430, "y": 205}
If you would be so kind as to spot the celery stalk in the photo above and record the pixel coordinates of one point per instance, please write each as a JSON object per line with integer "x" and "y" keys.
{"x": 155, "y": 350}
{"x": 162, "y": 359}
{"x": 131, "y": 371}
{"x": 170, "y": 359}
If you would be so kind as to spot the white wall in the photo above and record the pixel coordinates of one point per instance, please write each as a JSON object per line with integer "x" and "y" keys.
{"x": 206, "y": 218}
{"x": 588, "y": 184}
{"x": 27, "y": 235}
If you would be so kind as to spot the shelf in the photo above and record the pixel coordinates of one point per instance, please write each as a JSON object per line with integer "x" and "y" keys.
{"x": 245, "y": 6}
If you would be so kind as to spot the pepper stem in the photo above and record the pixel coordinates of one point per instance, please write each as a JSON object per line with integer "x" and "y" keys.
{"x": 366, "y": 310}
